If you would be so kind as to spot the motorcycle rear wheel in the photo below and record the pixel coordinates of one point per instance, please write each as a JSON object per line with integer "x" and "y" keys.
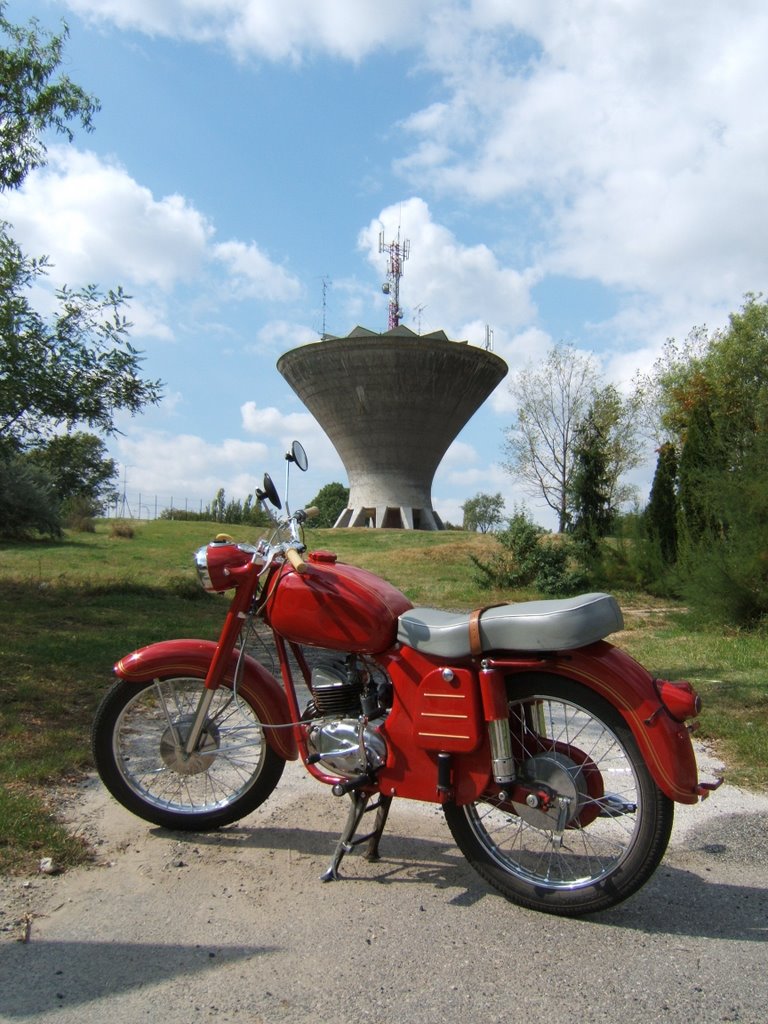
{"x": 568, "y": 739}
{"x": 138, "y": 737}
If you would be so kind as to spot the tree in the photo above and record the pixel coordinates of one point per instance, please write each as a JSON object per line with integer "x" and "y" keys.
{"x": 483, "y": 512}
{"x": 27, "y": 500}
{"x": 589, "y": 494}
{"x": 660, "y": 517}
{"x": 78, "y": 366}
{"x": 32, "y": 100}
{"x": 617, "y": 420}
{"x": 80, "y": 470}
{"x": 331, "y": 500}
{"x": 525, "y": 557}
{"x": 713, "y": 404}
{"x": 552, "y": 402}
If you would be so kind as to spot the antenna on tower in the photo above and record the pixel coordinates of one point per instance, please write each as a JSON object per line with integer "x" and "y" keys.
{"x": 488, "y": 338}
{"x": 418, "y": 310}
{"x": 325, "y": 303}
{"x": 397, "y": 253}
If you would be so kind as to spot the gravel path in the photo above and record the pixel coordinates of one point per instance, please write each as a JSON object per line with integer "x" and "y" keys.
{"x": 235, "y": 926}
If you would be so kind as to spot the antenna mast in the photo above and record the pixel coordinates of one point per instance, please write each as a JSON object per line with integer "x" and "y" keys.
{"x": 397, "y": 255}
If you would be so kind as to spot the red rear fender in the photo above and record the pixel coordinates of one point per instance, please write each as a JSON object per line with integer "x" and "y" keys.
{"x": 664, "y": 742}
{"x": 192, "y": 657}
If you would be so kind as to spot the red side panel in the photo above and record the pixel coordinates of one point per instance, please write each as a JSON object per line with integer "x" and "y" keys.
{"x": 446, "y": 711}
{"x": 412, "y": 733}
{"x": 182, "y": 657}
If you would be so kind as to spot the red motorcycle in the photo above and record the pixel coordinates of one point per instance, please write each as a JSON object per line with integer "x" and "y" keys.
{"x": 555, "y": 756}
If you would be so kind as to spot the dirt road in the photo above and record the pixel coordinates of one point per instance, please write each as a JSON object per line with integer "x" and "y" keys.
{"x": 235, "y": 926}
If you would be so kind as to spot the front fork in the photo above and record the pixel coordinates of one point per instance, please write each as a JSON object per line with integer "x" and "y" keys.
{"x": 198, "y": 725}
{"x": 240, "y": 610}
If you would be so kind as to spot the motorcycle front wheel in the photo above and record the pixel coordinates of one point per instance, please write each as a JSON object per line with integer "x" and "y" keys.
{"x": 604, "y": 830}
{"x": 138, "y": 745}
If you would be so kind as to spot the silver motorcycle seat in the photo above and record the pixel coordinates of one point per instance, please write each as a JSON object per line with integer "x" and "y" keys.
{"x": 537, "y": 626}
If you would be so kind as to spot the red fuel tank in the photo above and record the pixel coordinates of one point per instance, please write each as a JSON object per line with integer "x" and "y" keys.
{"x": 333, "y": 605}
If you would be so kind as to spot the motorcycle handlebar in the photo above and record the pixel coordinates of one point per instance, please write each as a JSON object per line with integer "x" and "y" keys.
{"x": 296, "y": 560}
{"x": 306, "y": 513}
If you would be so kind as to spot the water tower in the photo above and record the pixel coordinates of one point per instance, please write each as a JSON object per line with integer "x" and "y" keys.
{"x": 391, "y": 404}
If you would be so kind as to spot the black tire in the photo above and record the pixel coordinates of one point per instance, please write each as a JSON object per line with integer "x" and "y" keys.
{"x": 567, "y": 738}
{"x": 135, "y": 746}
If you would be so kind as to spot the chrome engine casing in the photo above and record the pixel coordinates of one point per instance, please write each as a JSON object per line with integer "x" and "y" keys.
{"x": 337, "y": 744}
{"x": 339, "y": 737}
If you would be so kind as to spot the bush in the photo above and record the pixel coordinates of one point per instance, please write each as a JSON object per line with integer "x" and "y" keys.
{"x": 527, "y": 559}
{"x": 121, "y": 530}
{"x": 78, "y": 513}
{"x": 27, "y": 501}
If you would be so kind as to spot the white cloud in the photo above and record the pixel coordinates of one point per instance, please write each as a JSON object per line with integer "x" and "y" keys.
{"x": 281, "y": 335}
{"x": 279, "y": 427}
{"x": 253, "y": 274}
{"x": 185, "y": 467}
{"x": 271, "y": 422}
{"x": 97, "y": 223}
{"x": 451, "y": 281}
{"x": 345, "y": 28}
{"x": 636, "y": 129}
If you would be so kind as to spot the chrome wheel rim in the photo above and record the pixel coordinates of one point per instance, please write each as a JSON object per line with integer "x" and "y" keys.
{"x": 148, "y": 747}
{"x": 530, "y": 846}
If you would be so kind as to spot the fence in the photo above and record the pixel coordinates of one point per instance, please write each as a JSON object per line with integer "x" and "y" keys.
{"x": 152, "y": 506}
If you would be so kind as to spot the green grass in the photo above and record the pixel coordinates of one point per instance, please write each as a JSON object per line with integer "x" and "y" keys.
{"x": 728, "y": 668}
{"x": 69, "y": 609}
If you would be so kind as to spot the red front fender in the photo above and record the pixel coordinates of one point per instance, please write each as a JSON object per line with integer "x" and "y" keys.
{"x": 664, "y": 742}
{"x": 184, "y": 657}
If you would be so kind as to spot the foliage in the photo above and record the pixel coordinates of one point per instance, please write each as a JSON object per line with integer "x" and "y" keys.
{"x": 33, "y": 100}
{"x": 552, "y": 402}
{"x": 712, "y": 397}
{"x": 589, "y": 494}
{"x": 330, "y": 500}
{"x": 616, "y": 419}
{"x": 234, "y": 511}
{"x": 75, "y": 366}
{"x": 79, "y": 367}
{"x": 483, "y": 512}
{"x": 525, "y": 559}
{"x": 83, "y": 474}
{"x": 28, "y": 503}
{"x": 120, "y": 530}
{"x": 660, "y": 518}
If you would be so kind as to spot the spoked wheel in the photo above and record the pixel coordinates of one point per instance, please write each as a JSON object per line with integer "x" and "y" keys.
{"x": 138, "y": 745}
{"x": 604, "y": 825}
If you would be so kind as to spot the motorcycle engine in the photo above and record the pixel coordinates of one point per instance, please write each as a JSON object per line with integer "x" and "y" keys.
{"x": 339, "y": 737}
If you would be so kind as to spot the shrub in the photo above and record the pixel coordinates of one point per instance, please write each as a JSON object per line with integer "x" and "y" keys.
{"x": 526, "y": 558}
{"x": 27, "y": 501}
{"x": 121, "y": 530}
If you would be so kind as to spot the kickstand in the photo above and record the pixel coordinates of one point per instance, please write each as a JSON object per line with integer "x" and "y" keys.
{"x": 382, "y": 813}
{"x": 348, "y": 841}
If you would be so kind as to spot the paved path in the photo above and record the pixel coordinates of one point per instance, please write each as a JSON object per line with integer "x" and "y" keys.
{"x": 235, "y": 926}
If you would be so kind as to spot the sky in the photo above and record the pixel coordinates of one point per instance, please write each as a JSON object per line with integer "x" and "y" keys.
{"x": 586, "y": 172}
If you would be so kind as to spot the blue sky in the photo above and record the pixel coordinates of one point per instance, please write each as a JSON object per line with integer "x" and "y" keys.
{"x": 587, "y": 171}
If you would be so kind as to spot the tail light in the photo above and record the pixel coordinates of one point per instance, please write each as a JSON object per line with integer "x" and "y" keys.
{"x": 679, "y": 698}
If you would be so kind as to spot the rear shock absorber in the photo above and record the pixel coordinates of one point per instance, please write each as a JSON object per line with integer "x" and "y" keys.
{"x": 496, "y": 711}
